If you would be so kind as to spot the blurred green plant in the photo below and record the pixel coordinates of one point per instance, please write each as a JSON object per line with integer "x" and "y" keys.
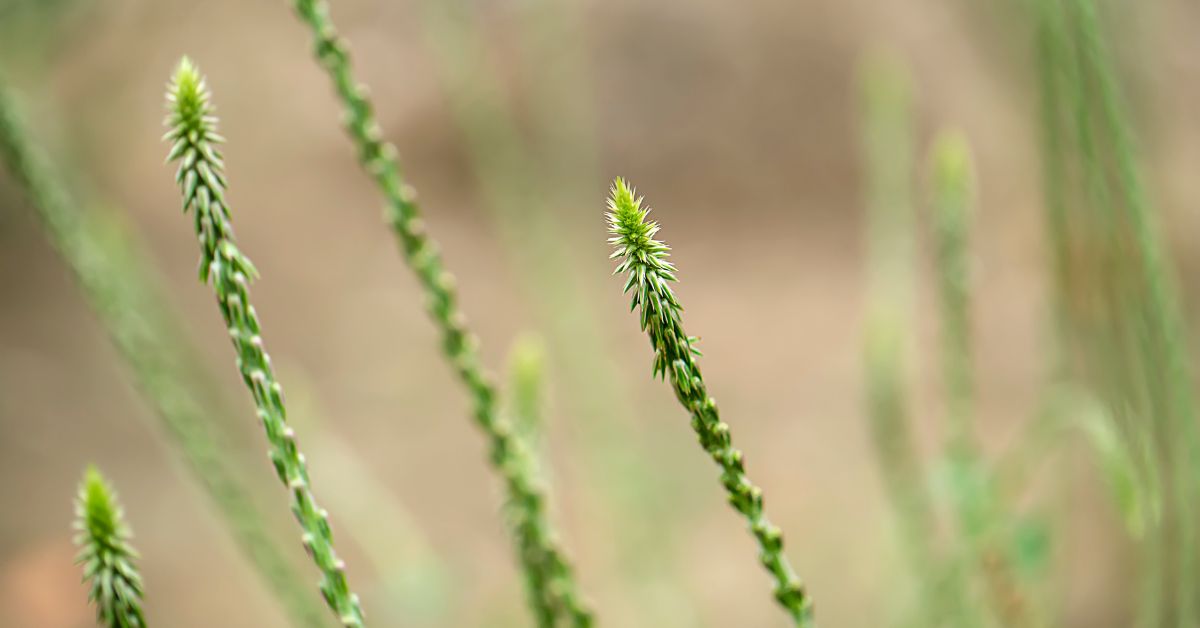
{"x": 106, "y": 555}
{"x": 113, "y": 274}
{"x": 887, "y": 147}
{"x": 1118, "y": 314}
{"x": 526, "y": 391}
{"x": 644, "y": 260}
{"x": 545, "y": 563}
{"x": 983, "y": 521}
{"x": 193, "y": 137}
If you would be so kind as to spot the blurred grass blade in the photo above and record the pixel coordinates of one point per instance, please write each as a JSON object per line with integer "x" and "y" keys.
{"x": 1119, "y": 317}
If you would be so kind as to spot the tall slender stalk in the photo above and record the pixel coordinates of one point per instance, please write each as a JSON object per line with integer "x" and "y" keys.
{"x": 644, "y": 260}
{"x": 525, "y": 410}
{"x": 527, "y": 387}
{"x": 1162, "y": 336}
{"x": 193, "y": 136}
{"x": 981, "y": 516}
{"x": 106, "y": 555}
{"x": 111, "y": 271}
{"x": 887, "y": 146}
{"x": 537, "y": 546}
{"x": 953, "y": 192}
{"x": 1122, "y": 320}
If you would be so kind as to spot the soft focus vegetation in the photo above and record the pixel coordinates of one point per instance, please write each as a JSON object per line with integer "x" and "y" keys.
{"x": 1001, "y": 432}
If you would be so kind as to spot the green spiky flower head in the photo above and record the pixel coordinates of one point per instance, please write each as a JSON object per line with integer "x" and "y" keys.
{"x": 106, "y": 556}
{"x": 188, "y": 98}
{"x": 632, "y": 231}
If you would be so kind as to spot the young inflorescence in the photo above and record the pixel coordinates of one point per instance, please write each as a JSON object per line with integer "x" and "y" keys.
{"x": 202, "y": 181}
{"x": 545, "y": 563}
{"x": 644, "y": 260}
{"x": 106, "y": 555}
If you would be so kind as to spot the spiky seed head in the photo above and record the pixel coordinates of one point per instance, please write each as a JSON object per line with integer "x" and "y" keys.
{"x": 644, "y": 258}
{"x": 100, "y": 516}
{"x": 105, "y": 553}
{"x": 632, "y": 232}
{"x": 188, "y": 97}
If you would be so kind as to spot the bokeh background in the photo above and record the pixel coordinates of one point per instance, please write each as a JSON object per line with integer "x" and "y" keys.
{"x": 741, "y": 123}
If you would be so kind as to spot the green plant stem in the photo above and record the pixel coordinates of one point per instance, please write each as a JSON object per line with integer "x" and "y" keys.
{"x": 526, "y": 182}
{"x": 887, "y": 147}
{"x": 110, "y": 269}
{"x": 1131, "y": 342}
{"x": 644, "y": 260}
{"x": 1162, "y": 329}
{"x": 106, "y": 555}
{"x": 537, "y": 547}
{"x": 982, "y": 516}
{"x": 201, "y": 180}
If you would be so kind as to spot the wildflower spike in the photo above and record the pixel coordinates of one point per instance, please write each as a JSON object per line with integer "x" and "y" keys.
{"x": 644, "y": 259}
{"x": 201, "y": 179}
{"x": 106, "y": 555}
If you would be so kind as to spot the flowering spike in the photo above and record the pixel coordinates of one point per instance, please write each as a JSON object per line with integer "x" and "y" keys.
{"x": 645, "y": 260}
{"x": 203, "y": 187}
{"x": 106, "y": 555}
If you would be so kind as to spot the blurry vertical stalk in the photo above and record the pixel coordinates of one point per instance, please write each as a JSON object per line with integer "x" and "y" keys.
{"x": 527, "y": 388}
{"x": 529, "y": 179}
{"x": 983, "y": 519}
{"x": 1118, "y": 312}
{"x": 112, "y": 273}
{"x": 887, "y": 144}
{"x": 524, "y": 394}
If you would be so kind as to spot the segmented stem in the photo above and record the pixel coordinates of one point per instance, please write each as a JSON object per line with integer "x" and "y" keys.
{"x": 537, "y": 547}
{"x": 202, "y": 181}
{"x": 644, "y": 260}
{"x": 106, "y": 555}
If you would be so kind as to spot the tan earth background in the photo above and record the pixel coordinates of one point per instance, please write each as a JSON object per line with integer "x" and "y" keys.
{"x": 738, "y": 120}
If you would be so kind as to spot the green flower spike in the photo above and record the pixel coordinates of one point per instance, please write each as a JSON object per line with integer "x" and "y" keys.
{"x": 644, "y": 260}
{"x": 201, "y": 179}
{"x": 106, "y": 555}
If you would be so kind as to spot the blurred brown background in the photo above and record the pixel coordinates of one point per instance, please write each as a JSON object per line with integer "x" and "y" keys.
{"x": 738, "y": 120}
